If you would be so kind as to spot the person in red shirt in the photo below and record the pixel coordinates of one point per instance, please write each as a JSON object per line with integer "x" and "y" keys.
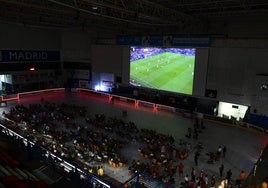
{"x": 180, "y": 169}
{"x": 201, "y": 175}
{"x": 191, "y": 184}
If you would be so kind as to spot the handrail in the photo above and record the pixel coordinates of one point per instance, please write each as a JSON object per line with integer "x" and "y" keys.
{"x": 64, "y": 162}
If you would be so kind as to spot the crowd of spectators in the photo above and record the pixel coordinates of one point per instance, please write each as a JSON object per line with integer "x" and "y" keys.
{"x": 90, "y": 140}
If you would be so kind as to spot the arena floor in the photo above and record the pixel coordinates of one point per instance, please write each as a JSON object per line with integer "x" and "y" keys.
{"x": 243, "y": 145}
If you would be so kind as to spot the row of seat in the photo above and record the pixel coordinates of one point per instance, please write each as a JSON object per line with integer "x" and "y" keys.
{"x": 7, "y": 159}
{"x": 13, "y": 175}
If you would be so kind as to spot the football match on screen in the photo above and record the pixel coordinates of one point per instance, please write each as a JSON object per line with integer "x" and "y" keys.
{"x": 168, "y": 69}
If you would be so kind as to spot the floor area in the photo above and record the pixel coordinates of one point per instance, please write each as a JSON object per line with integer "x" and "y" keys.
{"x": 243, "y": 146}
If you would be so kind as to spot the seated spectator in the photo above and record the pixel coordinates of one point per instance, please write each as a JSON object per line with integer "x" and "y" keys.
{"x": 100, "y": 171}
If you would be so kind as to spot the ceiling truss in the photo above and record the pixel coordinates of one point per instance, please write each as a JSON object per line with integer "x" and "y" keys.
{"x": 126, "y": 16}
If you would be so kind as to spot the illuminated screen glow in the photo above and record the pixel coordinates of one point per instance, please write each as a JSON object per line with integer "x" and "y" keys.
{"x": 167, "y": 69}
{"x": 232, "y": 110}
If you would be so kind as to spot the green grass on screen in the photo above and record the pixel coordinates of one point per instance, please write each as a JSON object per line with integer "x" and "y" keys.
{"x": 167, "y": 71}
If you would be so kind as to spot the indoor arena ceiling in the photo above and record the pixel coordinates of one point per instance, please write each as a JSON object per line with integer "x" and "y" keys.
{"x": 130, "y": 16}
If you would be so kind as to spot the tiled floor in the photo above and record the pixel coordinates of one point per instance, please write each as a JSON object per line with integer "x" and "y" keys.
{"x": 243, "y": 146}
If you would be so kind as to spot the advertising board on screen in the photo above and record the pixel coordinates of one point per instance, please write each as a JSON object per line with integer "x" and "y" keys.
{"x": 167, "y": 69}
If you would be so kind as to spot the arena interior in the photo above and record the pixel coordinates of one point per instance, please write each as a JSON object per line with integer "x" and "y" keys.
{"x": 133, "y": 93}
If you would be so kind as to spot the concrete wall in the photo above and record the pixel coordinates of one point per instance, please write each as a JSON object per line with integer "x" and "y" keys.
{"x": 231, "y": 71}
{"x": 111, "y": 59}
{"x": 232, "y": 66}
{"x": 200, "y": 72}
{"x": 76, "y": 45}
{"x": 28, "y": 38}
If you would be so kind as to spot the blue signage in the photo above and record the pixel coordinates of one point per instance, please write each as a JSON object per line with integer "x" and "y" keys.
{"x": 28, "y": 55}
{"x": 179, "y": 40}
{"x": 164, "y": 40}
{"x": 155, "y": 40}
{"x": 128, "y": 39}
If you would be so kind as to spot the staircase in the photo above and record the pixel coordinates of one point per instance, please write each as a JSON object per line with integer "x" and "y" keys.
{"x": 18, "y": 177}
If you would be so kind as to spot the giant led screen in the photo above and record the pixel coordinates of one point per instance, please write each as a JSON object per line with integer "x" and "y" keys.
{"x": 168, "y": 69}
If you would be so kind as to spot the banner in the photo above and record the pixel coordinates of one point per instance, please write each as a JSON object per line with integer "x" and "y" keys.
{"x": 28, "y": 55}
{"x": 178, "y": 40}
{"x": 164, "y": 40}
{"x": 154, "y": 40}
{"x": 129, "y": 40}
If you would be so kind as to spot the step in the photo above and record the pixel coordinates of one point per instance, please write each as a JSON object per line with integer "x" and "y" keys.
{"x": 13, "y": 172}
{"x": 31, "y": 175}
{"x": 25, "y": 176}
{"x": 4, "y": 171}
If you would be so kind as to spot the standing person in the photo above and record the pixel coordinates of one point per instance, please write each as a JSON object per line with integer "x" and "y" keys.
{"x": 242, "y": 176}
{"x": 206, "y": 179}
{"x": 218, "y": 155}
{"x": 192, "y": 184}
{"x": 190, "y": 132}
{"x": 180, "y": 169}
{"x": 196, "y": 155}
{"x": 213, "y": 182}
{"x": 219, "y": 150}
{"x": 198, "y": 185}
{"x": 202, "y": 124}
{"x": 223, "y": 151}
{"x": 193, "y": 174}
{"x": 229, "y": 175}
{"x": 186, "y": 180}
{"x": 201, "y": 175}
{"x": 221, "y": 170}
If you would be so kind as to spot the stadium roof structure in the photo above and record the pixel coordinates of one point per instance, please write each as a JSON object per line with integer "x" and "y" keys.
{"x": 135, "y": 16}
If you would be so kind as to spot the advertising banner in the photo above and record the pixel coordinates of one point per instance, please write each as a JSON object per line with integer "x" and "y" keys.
{"x": 164, "y": 40}
{"x": 28, "y": 55}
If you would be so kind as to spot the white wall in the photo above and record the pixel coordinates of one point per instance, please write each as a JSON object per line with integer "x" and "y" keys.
{"x": 260, "y": 95}
{"x": 7, "y": 78}
{"x": 232, "y": 72}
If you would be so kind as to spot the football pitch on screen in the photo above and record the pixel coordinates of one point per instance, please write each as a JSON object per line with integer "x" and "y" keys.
{"x": 166, "y": 71}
